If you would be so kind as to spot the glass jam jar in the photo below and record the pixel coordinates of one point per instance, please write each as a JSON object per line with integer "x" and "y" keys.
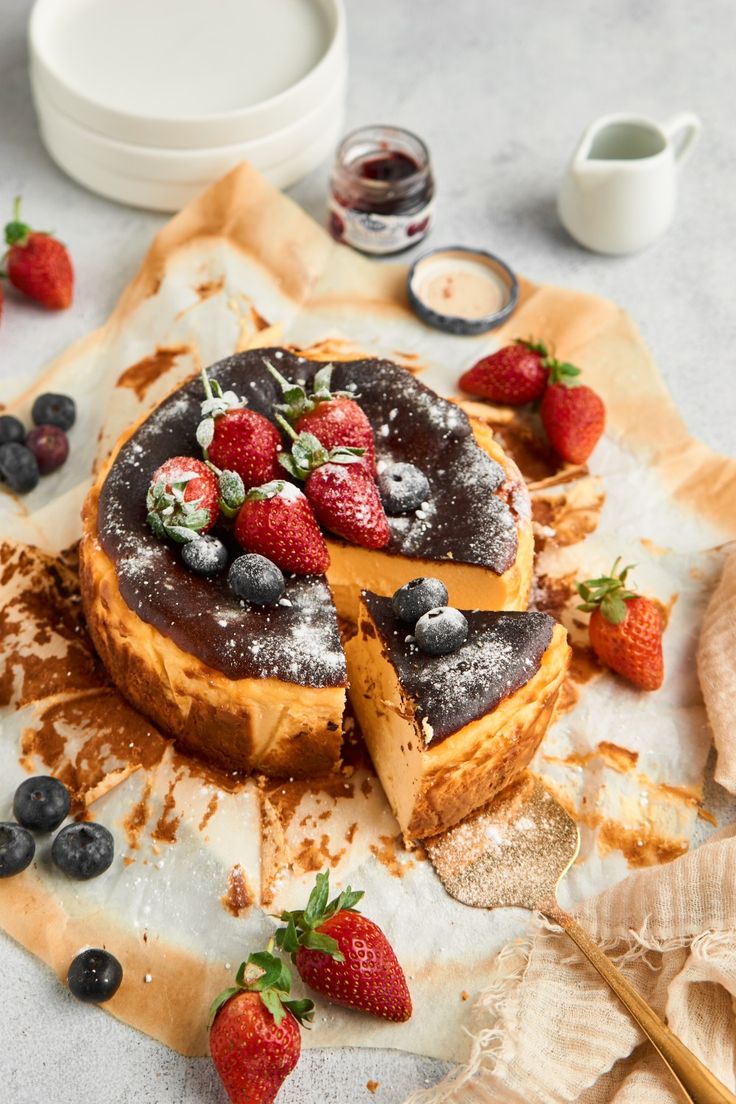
{"x": 381, "y": 190}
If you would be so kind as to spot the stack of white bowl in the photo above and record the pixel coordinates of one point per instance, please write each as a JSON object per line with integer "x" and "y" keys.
{"x": 149, "y": 101}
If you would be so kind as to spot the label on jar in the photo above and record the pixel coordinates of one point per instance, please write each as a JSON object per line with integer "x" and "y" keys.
{"x": 373, "y": 233}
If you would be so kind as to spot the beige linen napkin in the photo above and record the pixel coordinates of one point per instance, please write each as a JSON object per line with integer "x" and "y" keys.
{"x": 548, "y": 1030}
{"x": 717, "y": 670}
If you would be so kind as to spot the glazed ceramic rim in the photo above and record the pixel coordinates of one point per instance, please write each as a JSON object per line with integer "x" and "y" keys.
{"x": 183, "y": 132}
{"x": 171, "y": 195}
{"x": 169, "y": 165}
{"x": 453, "y": 323}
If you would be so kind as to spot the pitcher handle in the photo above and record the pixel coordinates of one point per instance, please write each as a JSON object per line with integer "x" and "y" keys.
{"x": 683, "y": 131}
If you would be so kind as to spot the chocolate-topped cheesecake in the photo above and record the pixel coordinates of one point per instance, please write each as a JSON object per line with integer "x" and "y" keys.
{"x": 447, "y": 732}
{"x": 264, "y": 686}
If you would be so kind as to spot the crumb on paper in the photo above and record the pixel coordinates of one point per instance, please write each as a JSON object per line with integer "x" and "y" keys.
{"x": 465, "y": 995}
{"x": 372, "y": 1086}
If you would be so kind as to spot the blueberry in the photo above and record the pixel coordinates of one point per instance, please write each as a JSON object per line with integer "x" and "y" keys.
{"x": 41, "y": 803}
{"x": 50, "y": 446}
{"x": 18, "y": 467}
{"x": 204, "y": 555}
{"x": 441, "y": 631}
{"x": 55, "y": 410}
{"x": 256, "y": 579}
{"x": 11, "y": 429}
{"x": 83, "y": 850}
{"x": 17, "y": 848}
{"x": 403, "y": 488}
{"x": 94, "y": 976}
{"x": 417, "y": 597}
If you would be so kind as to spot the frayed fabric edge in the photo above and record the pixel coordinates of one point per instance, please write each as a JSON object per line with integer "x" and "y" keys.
{"x": 493, "y": 1045}
{"x": 499, "y": 1001}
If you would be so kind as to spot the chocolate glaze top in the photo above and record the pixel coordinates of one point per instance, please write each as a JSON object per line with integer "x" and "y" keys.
{"x": 502, "y": 653}
{"x": 463, "y": 519}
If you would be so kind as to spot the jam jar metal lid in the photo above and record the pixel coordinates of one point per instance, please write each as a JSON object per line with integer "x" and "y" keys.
{"x": 462, "y": 290}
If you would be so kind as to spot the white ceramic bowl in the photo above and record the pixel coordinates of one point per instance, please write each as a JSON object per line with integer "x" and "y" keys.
{"x": 172, "y": 195}
{"x": 187, "y": 165}
{"x": 181, "y": 74}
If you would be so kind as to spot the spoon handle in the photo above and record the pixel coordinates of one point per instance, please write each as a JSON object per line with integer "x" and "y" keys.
{"x": 696, "y": 1081}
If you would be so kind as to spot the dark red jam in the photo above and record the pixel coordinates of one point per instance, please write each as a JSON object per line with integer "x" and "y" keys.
{"x": 390, "y": 166}
{"x": 382, "y": 190}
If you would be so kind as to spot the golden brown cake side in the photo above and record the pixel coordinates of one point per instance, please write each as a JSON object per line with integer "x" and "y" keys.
{"x": 266, "y": 724}
{"x": 432, "y": 786}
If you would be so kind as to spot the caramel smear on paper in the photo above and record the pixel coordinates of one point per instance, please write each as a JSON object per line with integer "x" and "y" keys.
{"x": 208, "y": 288}
{"x": 567, "y": 516}
{"x": 641, "y": 844}
{"x": 392, "y": 853}
{"x": 310, "y": 824}
{"x": 239, "y": 897}
{"x": 140, "y": 376}
{"x": 80, "y": 729}
{"x": 640, "y": 838}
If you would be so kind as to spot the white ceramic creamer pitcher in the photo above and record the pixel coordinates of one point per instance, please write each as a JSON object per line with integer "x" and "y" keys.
{"x": 619, "y": 191}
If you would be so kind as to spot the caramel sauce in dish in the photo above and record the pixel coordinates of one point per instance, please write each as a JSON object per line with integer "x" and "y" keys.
{"x": 461, "y": 290}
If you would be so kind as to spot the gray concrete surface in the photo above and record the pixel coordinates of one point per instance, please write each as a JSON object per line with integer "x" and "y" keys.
{"x": 501, "y": 92}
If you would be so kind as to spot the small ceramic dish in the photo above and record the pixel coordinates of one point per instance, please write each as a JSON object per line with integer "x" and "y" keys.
{"x": 187, "y": 165}
{"x": 462, "y": 290}
{"x": 192, "y": 75}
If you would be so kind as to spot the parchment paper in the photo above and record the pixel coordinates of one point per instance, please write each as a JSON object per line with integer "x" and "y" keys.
{"x": 201, "y": 858}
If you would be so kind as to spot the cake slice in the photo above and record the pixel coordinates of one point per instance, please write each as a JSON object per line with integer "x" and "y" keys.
{"x": 448, "y": 732}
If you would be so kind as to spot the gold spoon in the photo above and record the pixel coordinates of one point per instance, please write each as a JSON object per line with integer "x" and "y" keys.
{"x": 514, "y": 852}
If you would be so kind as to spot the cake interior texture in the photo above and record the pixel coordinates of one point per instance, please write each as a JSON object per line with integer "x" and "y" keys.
{"x": 446, "y": 733}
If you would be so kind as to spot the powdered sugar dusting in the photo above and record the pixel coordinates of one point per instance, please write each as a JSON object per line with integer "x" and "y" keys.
{"x": 502, "y": 653}
{"x": 296, "y": 640}
{"x": 465, "y": 517}
{"x": 513, "y": 851}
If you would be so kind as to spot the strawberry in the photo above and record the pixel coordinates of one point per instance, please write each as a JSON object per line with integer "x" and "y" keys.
{"x": 38, "y": 264}
{"x": 2, "y": 301}
{"x": 346, "y": 501}
{"x": 573, "y": 415}
{"x": 183, "y": 499}
{"x": 255, "y": 1040}
{"x": 625, "y": 628}
{"x": 340, "y": 489}
{"x": 237, "y": 439}
{"x": 343, "y": 955}
{"x": 277, "y": 521}
{"x": 333, "y": 417}
{"x": 515, "y": 374}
